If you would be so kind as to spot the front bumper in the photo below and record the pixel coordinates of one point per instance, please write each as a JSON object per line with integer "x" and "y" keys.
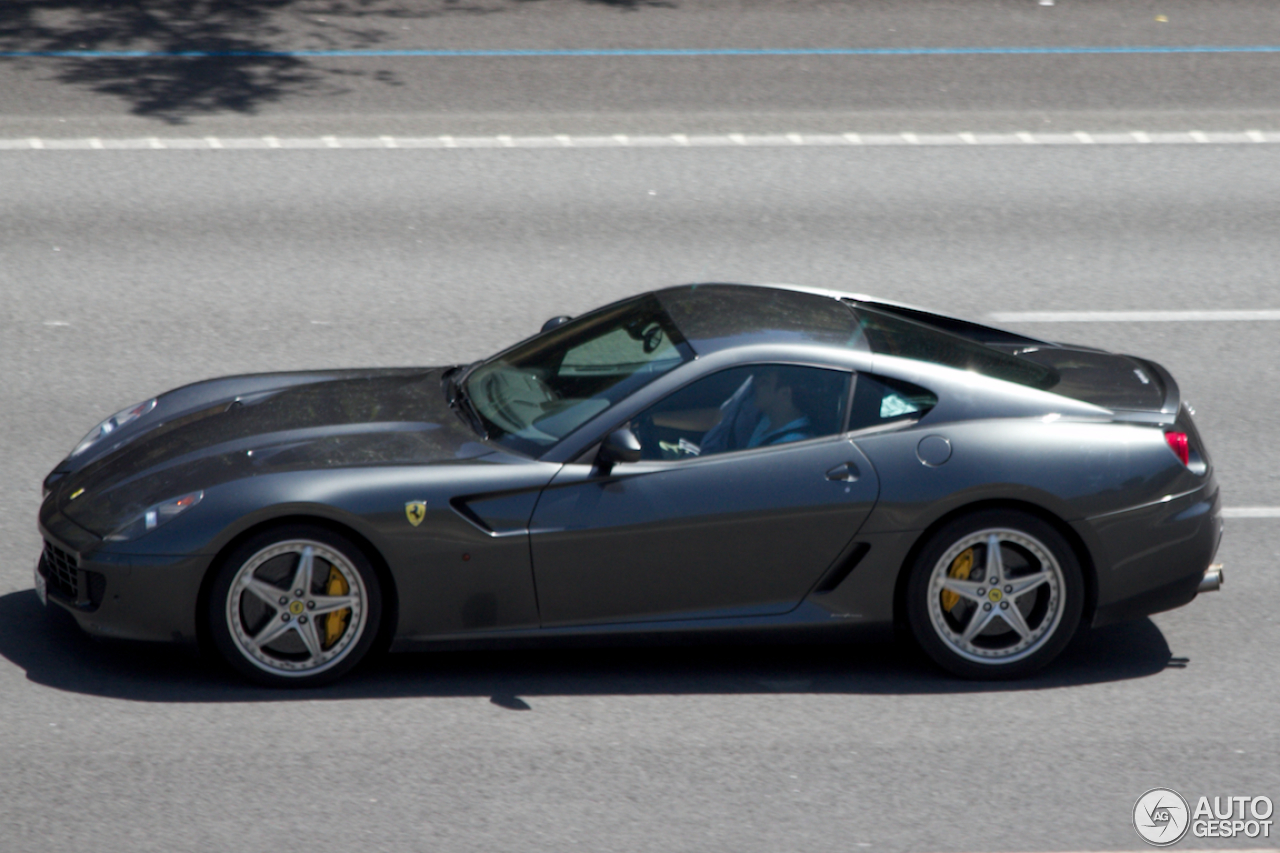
{"x": 1154, "y": 558}
{"x": 121, "y": 596}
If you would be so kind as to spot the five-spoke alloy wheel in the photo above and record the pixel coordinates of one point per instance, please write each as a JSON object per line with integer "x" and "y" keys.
{"x": 294, "y": 606}
{"x": 995, "y": 594}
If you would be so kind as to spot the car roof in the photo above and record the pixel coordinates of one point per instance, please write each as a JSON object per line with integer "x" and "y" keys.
{"x": 717, "y": 316}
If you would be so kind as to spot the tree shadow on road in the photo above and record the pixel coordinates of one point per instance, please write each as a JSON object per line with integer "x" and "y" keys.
{"x": 252, "y": 38}
{"x": 55, "y": 653}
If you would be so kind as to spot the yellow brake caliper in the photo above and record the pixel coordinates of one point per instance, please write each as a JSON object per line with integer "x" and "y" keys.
{"x": 336, "y": 622}
{"x": 961, "y": 567}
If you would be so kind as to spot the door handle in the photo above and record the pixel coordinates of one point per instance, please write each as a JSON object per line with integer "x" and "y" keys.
{"x": 846, "y": 472}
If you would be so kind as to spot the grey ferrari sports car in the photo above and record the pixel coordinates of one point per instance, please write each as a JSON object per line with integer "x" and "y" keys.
{"x": 701, "y": 458}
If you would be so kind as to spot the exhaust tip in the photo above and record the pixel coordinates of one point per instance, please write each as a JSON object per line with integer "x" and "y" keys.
{"x": 1212, "y": 580}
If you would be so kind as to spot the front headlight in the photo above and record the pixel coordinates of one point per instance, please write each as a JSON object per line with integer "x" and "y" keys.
{"x": 155, "y": 516}
{"x": 112, "y": 424}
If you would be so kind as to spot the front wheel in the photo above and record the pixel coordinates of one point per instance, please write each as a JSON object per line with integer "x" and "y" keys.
{"x": 995, "y": 595}
{"x": 294, "y": 606}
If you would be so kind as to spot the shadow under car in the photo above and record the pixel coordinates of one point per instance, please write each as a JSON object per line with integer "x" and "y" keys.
{"x": 53, "y": 651}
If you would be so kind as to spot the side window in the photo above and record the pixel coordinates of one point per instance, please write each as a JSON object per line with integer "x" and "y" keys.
{"x": 742, "y": 408}
{"x": 878, "y": 400}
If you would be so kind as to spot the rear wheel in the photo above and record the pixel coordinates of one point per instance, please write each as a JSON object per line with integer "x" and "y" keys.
{"x": 294, "y": 606}
{"x": 995, "y": 595}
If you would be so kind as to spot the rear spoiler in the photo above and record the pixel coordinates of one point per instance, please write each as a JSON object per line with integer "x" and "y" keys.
{"x": 1172, "y": 397}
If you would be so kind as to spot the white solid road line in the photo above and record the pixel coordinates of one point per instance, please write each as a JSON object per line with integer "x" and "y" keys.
{"x": 1132, "y": 316}
{"x": 1227, "y": 512}
{"x": 1251, "y": 512}
{"x": 605, "y": 140}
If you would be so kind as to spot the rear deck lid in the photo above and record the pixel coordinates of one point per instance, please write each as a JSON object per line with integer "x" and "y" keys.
{"x": 1122, "y": 383}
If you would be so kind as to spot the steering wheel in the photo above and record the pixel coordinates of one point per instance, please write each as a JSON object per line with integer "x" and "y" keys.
{"x": 519, "y": 409}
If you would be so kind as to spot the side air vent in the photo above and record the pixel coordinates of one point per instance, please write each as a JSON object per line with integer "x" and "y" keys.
{"x": 841, "y": 570}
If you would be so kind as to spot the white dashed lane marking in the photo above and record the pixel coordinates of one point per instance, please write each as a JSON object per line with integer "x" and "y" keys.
{"x": 618, "y": 140}
{"x": 1134, "y": 316}
{"x": 734, "y": 140}
{"x": 1251, "y": 512}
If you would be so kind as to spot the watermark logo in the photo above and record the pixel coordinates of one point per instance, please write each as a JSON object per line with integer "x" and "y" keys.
{"x": 1161, "y": 817}
{"x": 1231, "y": 817}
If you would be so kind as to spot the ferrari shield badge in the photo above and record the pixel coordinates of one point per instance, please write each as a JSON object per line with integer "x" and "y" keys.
{"x": 415, "y": 511}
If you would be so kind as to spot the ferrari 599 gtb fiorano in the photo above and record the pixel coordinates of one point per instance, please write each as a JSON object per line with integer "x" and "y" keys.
{"x": 698, "y": 458}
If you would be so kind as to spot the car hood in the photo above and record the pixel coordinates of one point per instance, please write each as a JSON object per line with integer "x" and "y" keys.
{"x": 353, "y": 419}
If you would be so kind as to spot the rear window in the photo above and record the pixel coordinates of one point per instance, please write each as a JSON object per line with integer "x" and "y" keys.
{"x": 890, "y": 335}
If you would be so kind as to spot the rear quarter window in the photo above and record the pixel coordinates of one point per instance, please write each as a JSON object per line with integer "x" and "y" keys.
{"x": 879, "y": 400}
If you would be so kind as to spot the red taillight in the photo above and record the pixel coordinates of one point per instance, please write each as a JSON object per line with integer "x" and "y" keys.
{"x": 1179, "y": 445}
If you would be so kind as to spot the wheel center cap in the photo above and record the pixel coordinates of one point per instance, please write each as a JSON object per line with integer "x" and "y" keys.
{"x": 296, "y": 607}
{"x": 995, "y": 595}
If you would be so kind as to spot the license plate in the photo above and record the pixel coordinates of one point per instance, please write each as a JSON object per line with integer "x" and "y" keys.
{"x": 42, "y": 589}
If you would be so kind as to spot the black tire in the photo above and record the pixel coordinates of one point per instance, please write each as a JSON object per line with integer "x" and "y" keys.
{"x": 267, "y": 632}
{"x": 1010, "y": 629}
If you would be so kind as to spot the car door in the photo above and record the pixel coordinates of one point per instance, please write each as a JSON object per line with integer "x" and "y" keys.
{"x": 744, "y": 531}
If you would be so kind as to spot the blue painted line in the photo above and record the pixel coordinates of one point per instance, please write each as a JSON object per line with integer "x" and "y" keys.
{"x": 626, "y": 52}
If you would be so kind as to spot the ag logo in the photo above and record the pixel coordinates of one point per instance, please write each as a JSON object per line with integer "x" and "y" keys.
{"x": 1161, "y": 817}
{"x": 415, "y": 511}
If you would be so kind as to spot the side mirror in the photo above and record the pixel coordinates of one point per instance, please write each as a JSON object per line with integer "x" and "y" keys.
{"x": 555, "y": 321}
{"x": 621, "y": 446}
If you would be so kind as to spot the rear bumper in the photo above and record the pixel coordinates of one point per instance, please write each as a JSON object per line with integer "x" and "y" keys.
{"x": 1153, "y": 558}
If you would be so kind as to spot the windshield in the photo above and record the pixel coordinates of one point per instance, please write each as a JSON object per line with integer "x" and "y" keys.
{"x": 539, "y": 391}
{"x": 890, "y": 335}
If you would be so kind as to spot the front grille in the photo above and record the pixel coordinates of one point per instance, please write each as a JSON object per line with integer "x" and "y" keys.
{"x": 61, "y": 571}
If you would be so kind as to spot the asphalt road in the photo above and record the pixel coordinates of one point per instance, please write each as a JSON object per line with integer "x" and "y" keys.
{"x": 124, "y": 273}
{"x": 373, "y": 93}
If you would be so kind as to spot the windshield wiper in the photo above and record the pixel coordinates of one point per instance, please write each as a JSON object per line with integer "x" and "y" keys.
{"x": 461, "y": 402}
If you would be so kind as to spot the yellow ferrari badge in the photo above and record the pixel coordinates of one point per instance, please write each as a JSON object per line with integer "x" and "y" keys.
{"x": 415, "y": 511}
